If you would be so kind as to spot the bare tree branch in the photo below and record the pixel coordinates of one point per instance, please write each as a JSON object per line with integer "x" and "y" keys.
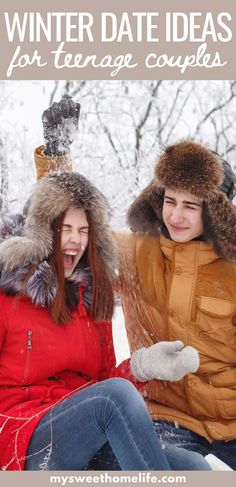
{"x": 217, "y": 108}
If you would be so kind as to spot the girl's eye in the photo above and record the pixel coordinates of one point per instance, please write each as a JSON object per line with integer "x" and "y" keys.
{"x": 191, "y": 207}
{"x": 169, "y": 202}
{"x": 68, "y": 229}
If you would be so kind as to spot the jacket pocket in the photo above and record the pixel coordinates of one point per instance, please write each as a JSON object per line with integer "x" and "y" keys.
{"x": 215, "y": 318}
{"x": 226, "y": 402}
{"x": 29, "y": 342}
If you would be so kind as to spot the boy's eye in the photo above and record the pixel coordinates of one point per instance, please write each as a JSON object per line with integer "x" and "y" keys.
{"x": 168, "y": 202}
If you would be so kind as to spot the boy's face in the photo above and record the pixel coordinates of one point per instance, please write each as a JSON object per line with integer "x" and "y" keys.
{"x": 182, "y": 215}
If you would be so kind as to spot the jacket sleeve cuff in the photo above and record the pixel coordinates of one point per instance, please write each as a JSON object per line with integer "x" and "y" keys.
{"x": 45, "y": 164}
{"x": 136, "y": 366}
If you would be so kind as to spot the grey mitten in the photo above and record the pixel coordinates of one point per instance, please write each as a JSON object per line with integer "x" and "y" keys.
{"x": 60, "y": 124}
{"x": 164, "y": 361}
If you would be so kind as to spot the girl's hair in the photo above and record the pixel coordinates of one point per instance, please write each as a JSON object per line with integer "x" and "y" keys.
{"x": 66, "y": 299}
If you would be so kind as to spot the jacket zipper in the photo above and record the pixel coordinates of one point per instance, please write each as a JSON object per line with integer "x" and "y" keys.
{"x": 28, "y": 355}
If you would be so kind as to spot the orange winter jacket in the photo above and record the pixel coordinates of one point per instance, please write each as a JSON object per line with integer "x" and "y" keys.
{"x": 187, "y": 292}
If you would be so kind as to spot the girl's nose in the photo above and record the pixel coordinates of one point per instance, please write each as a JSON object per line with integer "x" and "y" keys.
{"x": 75, "y": 237}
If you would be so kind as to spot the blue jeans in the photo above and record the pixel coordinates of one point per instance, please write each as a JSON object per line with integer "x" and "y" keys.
{"x": 180, "y": 438}
{"x": 113, "y": 411}
{"x": 178, "y": 458}
{"x": 169, "y": 434}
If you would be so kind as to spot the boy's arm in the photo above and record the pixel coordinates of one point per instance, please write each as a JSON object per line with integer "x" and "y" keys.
{"x": 60, "y": 125}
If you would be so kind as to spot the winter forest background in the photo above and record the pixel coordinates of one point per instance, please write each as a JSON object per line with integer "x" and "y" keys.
{"x": 123, "y": 127}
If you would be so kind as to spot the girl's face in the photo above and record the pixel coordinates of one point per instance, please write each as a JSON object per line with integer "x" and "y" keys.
{"x": 182, "y": 215}
{"x": 74, "y": 238}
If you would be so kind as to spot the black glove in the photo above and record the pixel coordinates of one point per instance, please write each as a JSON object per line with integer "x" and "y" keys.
{"x": 60, "y": 124}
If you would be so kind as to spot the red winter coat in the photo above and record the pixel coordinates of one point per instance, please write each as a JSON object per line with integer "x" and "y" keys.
{"x": 41, "y": 363}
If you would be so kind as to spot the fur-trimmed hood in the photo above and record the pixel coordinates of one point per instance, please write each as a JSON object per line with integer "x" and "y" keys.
{"x": 53, "y": 195}
{"x": 189, "y": 166}
{"x": 39, "y": 289}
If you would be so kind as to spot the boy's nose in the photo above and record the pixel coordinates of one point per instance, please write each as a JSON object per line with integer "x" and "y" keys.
{"x": 177, "y": 215}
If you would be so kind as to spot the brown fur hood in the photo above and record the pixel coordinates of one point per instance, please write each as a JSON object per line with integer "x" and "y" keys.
{"x": 189, "y": 166}
{"x": 53, "y": 195}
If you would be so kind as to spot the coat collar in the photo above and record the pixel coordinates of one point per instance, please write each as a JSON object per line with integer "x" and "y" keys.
{"x": 39, "y": 289}
{"x": 205, "y": 252}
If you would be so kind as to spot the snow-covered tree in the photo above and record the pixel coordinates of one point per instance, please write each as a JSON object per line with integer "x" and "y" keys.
{"x": 124, "y": 125}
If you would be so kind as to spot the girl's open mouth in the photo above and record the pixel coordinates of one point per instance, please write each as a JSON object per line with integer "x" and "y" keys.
{"x": 69, "y": 258}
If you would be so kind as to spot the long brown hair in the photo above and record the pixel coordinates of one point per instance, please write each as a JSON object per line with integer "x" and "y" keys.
{"x": 102, "y": 291}
{"x": 103, "y": 296}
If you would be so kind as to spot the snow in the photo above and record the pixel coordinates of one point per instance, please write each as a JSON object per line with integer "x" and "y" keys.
{"x": 119, "y": 336}
{"x": 216, "y": 463}
{"x": 122, "y": 129}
